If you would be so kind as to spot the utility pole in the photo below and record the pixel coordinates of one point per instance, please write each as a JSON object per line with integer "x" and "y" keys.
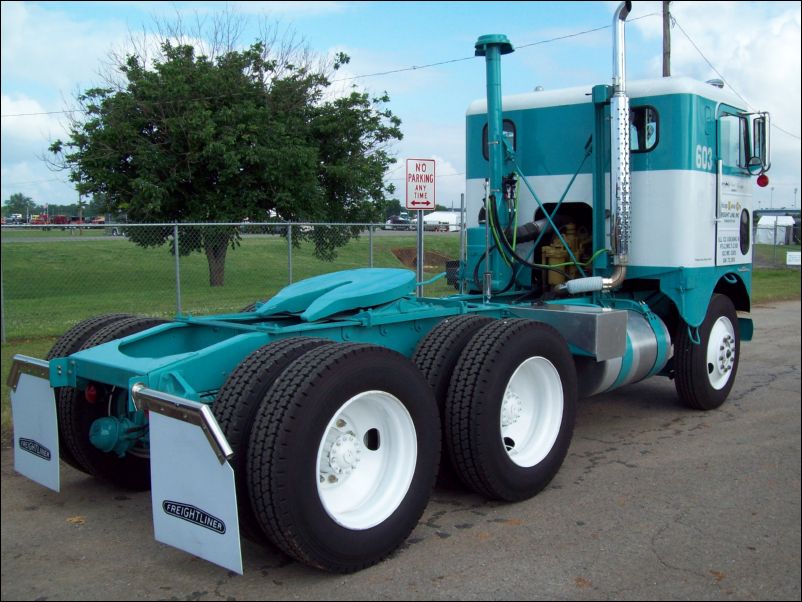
{"x": 666, "y": 39}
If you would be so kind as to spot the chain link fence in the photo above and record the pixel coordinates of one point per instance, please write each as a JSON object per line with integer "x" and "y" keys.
{"x": 777, "y": 243}
{"x": 53, "y": 277}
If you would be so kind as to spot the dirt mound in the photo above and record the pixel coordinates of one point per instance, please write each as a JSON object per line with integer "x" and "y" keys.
{"x": 431, "y": 261}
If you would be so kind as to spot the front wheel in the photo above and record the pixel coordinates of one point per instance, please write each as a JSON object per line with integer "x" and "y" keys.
{"x": 343, "y": 455}
{"x": 704, "y": 370}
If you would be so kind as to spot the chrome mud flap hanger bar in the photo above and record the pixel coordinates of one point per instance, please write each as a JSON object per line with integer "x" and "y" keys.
{"x": 193, "y": 492}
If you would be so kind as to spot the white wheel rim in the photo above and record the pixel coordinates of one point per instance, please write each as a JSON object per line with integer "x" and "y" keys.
{"x": 531, "y": 411}
{"x": 366, "y": 460}
{"x": 720, "y": 353}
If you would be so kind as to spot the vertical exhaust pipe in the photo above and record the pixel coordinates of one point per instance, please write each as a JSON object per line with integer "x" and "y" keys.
{"x": 620, "y": 194}
{"x": 620, "y": 200}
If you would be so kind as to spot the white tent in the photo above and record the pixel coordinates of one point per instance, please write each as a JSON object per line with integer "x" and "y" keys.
{"x": 774, "y": 230}
{"x": 441, "y": 220}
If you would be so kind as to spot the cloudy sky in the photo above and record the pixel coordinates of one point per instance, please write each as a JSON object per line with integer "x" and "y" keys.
{"x": 52, "y": 50}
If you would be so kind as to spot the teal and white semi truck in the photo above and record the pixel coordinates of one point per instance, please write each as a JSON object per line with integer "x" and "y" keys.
{"x": 609, "y": 241}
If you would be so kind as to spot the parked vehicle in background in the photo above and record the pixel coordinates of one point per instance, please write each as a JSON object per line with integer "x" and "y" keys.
{"x": 98, "y": 219}
{"x": 397, "y": 222}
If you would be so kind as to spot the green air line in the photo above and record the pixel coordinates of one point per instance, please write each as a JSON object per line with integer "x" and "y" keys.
{"x": 518, "y": 169}
{"x": 489, "y": 216}
{"x": 569, "y": 263}
{"x": 431, "y": 280}
{"x": 515, "y": 215}
{"x": 564, "y": 194}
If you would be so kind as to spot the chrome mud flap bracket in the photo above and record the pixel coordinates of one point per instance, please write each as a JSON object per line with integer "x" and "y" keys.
{"x": 193, "y": 492}
{"x": 33, "y": 405}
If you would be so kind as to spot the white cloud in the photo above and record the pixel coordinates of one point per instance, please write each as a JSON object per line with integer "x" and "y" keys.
{"x": 48, "y": 48}
{"x": 298, "y": 8}
{"x": 33, "y": 179}
{"x": 27, "y": 121}
{"x": 755, "y": 46}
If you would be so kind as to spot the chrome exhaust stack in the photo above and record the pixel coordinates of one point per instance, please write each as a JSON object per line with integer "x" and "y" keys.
{"x": 620, "y": 193}
{"x": 620, "y": 197}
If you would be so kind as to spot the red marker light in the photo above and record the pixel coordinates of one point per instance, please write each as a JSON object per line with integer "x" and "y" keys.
{"x": 762, "y": 180}
{"x": 90, "y": 393}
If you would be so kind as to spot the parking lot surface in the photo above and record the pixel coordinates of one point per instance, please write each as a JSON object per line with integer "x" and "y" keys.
{"x": 654, "y": 501}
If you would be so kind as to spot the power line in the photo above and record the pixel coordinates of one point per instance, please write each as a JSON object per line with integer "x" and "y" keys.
{"x": 41, "y": 113}
{"x": 731, "y": 87}
{"x": 468, "y": 58}
{"x": 34, "y": 182}
{"x": 366, "y": 75}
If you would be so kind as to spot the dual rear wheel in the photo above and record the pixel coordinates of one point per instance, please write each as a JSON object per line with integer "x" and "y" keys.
{"x": 343, "y": 447}
{"x": 336, "y": 457}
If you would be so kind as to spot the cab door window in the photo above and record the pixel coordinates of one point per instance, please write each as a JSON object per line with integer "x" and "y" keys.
{"x": 733, "y": 141}
{"x": 643, "y": 129}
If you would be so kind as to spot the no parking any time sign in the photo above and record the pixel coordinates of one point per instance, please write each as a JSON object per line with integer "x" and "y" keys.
{"x": 420, "y": 184}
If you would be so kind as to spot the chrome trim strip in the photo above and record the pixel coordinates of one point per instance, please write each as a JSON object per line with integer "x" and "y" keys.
{"x": 24, "y": 364}
{"x": 186, "y": 410}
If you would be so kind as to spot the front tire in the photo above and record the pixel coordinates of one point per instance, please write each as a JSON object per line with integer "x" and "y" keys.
{"x": 343, "y": 456}
{"x": 705, "y": 371}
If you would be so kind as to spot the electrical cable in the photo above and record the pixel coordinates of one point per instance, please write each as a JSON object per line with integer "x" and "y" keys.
{"x": 508, "y": 249}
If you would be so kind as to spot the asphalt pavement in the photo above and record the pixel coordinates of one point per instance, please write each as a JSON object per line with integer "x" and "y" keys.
{"x": 654, "y": 501}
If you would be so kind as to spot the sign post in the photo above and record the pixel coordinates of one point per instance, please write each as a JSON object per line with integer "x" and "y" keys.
{"x": 420, "y": 198}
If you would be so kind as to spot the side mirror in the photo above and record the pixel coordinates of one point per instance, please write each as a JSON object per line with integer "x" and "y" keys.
{"x": 760, "y": 145}
{"x": 755, "y": 166}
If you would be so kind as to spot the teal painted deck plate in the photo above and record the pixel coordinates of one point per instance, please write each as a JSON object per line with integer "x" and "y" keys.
{"x": 329, "y": 294}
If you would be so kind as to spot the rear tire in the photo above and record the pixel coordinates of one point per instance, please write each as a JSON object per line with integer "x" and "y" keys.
{"x": 236, "y": 406}
{"x": 704, "y": 373}
{"x": 76, "y": 415}
{"x": 70, "y": 342}
{"x": 436, "y": 356}
{"x": 343, "y": 456}
{"x": 511, "y": 409}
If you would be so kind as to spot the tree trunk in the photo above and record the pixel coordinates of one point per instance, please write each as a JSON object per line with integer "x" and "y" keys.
{"x": 216, "y": 256}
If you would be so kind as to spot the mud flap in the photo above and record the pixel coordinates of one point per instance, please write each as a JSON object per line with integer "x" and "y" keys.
{"x": 33, "y": 405}
{"x": 193, "y": 492}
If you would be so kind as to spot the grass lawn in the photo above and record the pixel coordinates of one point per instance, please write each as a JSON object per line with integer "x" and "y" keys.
{"x": 50, "y": 283}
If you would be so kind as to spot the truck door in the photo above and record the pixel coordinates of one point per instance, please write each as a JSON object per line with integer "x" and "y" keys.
{"x": 733, "y": 211}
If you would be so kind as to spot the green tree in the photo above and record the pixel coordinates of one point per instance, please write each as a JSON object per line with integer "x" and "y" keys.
{"x": 196, "y": 138}
{"x": 392, "y": 207}
{"x": 19, "y": 203}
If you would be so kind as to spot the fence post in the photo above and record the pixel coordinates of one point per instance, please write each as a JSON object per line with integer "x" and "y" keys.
{"x": 2, "y": 305}
{"x": 289, "y": 253}
{"x": 774, "y": 261}
{"x": 370, "y": 245}
{"x": 462, "y": 234}
{"x": 177, "y": 270}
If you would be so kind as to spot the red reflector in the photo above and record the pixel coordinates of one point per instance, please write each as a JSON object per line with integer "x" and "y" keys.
{"x": 90, "y": 393}
{"x": 762, "y": 180}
